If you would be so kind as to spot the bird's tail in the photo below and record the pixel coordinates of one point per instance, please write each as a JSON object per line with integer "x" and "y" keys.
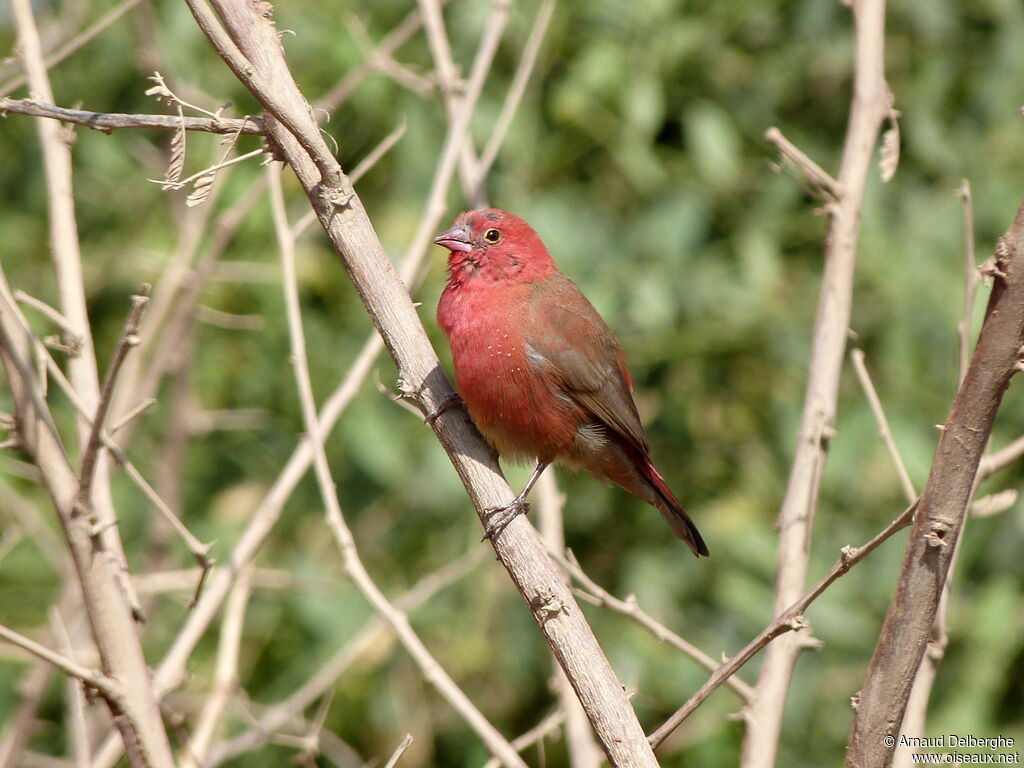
{"x": 673, "y": 512}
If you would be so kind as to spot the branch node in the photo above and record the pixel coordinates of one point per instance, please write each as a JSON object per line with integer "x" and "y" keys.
{"x": 796, "y": 622}
{"x": 337, "y": 198}
{"x": 936, "y": 536}
{"x": 547, "y": 605}
{"x": 990, "y": 268}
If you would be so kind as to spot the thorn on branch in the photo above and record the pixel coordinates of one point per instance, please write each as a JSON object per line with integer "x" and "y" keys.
{"x": 548, "y": 605}
{"x": 990, "y": 268}
{"x": 797, "y": 622}
{"x": 848, "y": 554}
{"x": 822, "y": 184}
{"x": 337, "y": 198}
{"x": 936, "y": 537}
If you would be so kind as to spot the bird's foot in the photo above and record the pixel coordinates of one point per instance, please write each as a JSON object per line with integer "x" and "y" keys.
{"x": 498, "y": 518}
{"x": 452, "y": 398}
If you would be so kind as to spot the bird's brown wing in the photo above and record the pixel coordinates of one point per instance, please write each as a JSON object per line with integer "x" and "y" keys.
{"x": 568, "y": 341}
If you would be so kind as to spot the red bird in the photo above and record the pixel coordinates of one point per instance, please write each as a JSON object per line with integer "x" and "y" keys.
{"x": 541, "y": 373}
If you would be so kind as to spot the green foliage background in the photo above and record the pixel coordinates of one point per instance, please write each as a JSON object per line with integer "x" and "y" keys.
{"x": 638, "y": 156}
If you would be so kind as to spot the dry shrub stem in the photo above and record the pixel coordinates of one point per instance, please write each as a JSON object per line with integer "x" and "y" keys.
{"x": 252, "y": 49}
{"x": 791, "y": 619}
{"x": 869, "y": 107}
{"x": 944, "y": 502}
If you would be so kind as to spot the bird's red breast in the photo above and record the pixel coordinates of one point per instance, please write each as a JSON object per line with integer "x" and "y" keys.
{"x": 540, "y": 372}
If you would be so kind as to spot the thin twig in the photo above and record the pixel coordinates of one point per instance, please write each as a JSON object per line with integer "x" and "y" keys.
{"x": 139, "y": 409}
{"x": 49, "y": 312}
{"x": 385, "y": 48}
{"x": 631, "y": 609}
{"x": 207, "y": 171}
{"x": 527, "y": 61}
{"x": 857, "y": 356}
{"x": 78, "y": 728}
{"x": 129, "y": 339}
{"x": 365, "y": 166}
{"x": 91, "y": 677}
{"x": 225, "y": 675}
{"x": 372, "y": 636}
{"x": 870, "y": 105}
{"x": 1001, "y": 459}
{"x": 105, "y": 122}
{"x": 198, "y": 549}
{"x": 399, "y": 751}
{"x": 447, "y": 73}
{"x": 790, "y": 619}
{"x": 811, "y": 172}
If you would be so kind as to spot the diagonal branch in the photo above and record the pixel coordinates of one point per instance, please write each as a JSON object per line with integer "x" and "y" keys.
{"x": 944, "y": 502}
{"x": 630, "y": 609}
{"x": 519, "y": 548}
{"x": 91, "y": 677}
{"x": 351, "y": 562}
{"x": 791, "y": 619}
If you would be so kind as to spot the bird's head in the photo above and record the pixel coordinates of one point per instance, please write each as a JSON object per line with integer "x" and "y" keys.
{"x": 490, "y": 244}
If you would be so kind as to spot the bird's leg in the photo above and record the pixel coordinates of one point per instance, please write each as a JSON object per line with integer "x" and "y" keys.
{"x": 499, "y": 517}
{"x": 452, "y": 398}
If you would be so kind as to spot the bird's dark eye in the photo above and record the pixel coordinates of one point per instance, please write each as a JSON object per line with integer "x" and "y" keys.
{"x": 492, "y": 235}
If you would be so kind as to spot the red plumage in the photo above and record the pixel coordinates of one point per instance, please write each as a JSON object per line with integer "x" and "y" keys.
{"x": 541, "y": 373}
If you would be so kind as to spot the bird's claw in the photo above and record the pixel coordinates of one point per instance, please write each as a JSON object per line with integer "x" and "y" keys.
{"x": 498, "y": 518}
{"x": 452, "y": 398}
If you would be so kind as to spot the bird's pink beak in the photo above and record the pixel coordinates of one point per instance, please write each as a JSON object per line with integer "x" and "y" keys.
{"x": 457, "y": 238}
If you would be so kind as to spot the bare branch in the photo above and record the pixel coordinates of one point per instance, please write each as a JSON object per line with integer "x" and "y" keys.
{"x": 823, "y": 184}
{"x": 129, "y": 339}
{"x": 631, "y": 609}
{"x": 67, "y": 261}
{"x": 857, "y": 356}
{"x": 105, "y": 122}
{"x": 944, "y": 501}
{"x": 870, "y": 105}
{"x": 399, "y": 751}
{"x": 527, "y": 61}
{"x": 343, "y": 217}
{"x": 1001, "y": 459}
{"x": 102, "y": 571}
{"x": 91, "y": 677}
{"x": 226, "y": 674}
{"x": 540, "y": 731}
{"x": 791, "y": 619}
{"x": 49, "y": 312}
{"x": 370, "y": 637}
